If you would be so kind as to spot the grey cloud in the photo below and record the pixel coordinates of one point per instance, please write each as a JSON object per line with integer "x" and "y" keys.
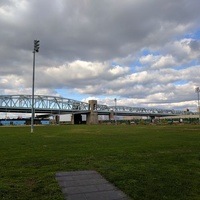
{"x": 105, "y": 28}
{"x": 195, "y": 45}
{"x": 6, "y": 3}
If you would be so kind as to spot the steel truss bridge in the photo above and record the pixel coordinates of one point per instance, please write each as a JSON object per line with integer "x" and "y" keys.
{"x": 54, "y": 105}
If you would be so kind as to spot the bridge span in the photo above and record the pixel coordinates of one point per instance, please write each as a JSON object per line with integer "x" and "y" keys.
{"x": 54, "y": 105}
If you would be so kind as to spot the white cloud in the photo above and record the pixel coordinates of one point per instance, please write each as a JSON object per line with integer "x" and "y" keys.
{"x": 158, "y": 61}
{"x": 165, "y": 61}
{"x": 87, "y": 73}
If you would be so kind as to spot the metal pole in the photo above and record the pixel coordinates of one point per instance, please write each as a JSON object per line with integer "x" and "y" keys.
{"x": 33, "y": 87}
{"x": 198, "y": 104}
{"x": 197, "y": 89}
{"x": 115, "y": 111}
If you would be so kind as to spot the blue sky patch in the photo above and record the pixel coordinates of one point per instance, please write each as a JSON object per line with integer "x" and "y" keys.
{"x": 182, "y": 82}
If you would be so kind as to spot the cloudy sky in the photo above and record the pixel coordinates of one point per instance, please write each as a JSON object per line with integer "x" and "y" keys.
{"x": 145, "y": 53}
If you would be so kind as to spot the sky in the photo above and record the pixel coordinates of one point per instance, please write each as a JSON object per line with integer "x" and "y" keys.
{"x": 144, "y": 53}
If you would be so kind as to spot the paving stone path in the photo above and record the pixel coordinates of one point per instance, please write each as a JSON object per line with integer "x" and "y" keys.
{"x": 88, "y": 185}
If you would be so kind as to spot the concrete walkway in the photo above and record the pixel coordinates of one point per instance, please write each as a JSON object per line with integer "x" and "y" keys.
{"x": 87, "y": 185}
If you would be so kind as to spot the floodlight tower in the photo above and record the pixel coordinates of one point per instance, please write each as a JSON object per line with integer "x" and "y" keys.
{"x": 197, "y": 90}
{"x": 35, "y": 50}
{"x": 115, "y": 110}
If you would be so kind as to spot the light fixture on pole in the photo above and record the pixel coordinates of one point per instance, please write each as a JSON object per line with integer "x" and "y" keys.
{"x": 197, "y": 90}
{"x": 35, "y": 50}
{"x": 115, "y": 110}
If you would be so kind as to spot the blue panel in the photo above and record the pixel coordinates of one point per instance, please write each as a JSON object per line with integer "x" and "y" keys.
{"x": 44, "y": 122}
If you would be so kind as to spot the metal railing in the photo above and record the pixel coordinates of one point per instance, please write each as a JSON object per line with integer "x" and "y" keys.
{"x": 54, "y": 104}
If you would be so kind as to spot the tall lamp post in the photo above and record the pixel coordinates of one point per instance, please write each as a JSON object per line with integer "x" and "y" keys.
{"x": 115, "y": 110}
{"x": 35, "y": 50}
{"x": 197, "y": 90}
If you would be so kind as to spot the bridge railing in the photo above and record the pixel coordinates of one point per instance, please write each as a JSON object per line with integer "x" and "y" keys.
{"x": 149, "y": 110}
{"x": 103, "y": 108}
{"x": 44, "y": 103}
{"x": 41, "y": 102}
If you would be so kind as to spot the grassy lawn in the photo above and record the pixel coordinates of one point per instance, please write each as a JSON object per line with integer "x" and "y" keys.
{"x": 146, "y": 162}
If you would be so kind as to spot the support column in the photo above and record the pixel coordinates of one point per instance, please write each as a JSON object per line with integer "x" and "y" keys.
{"x": 72, "y": 119}
{"x": 57, "y": 119}
{"x": 111, "y": 115}
{"x": 152, "y": 119}
{"x": 92, "y": 117}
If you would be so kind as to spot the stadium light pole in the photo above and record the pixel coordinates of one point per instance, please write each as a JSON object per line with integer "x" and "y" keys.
{"x": 35, "y": 50}
{"x": 197, "y": 90}
{"x": 115, "y": 110}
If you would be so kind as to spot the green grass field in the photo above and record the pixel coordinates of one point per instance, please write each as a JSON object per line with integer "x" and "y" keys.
{"x": 146, "y": 162}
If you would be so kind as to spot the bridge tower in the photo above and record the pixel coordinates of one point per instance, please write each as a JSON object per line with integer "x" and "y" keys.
{"x": 111, "y": 115}
{"x": 92, "y": 117}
